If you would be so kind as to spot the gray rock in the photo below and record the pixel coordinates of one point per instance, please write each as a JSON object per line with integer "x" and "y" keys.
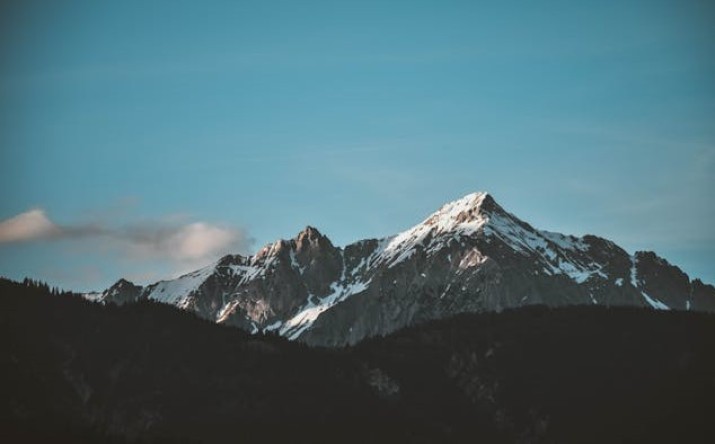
{"x": 469, "y": 256}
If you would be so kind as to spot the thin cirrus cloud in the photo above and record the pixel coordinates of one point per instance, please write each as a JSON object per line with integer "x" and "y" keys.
{"x": 190, "y": 242}
{"x": 162, "y": 240}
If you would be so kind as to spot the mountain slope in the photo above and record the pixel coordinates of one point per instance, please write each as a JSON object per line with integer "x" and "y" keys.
{"x": 74, "y": 371}
{"x": 469, "y": 256}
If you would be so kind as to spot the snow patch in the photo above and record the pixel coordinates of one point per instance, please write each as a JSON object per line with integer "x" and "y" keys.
{"x": 226, "y": 311}
{"x": 274, "y": 326}
{"x": 472, "y": 259}
{"x": 634, "y": 272}
{"x": 565, "y": 242}
{"x": 94, "y": 296}
{"x": 658, "y": 305}
{"x": 178, "y": 291}
{"x": 654, "y": 302}
{"x": 306, "y": 317}
{"x": 558, "y": 252}
{"x": 294, "y": 262}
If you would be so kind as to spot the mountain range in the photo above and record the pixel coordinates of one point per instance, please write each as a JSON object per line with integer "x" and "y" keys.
{"x": 471, "y": 255}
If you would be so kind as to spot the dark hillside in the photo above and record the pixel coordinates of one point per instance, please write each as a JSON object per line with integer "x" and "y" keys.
{"x": 75, "y": 371}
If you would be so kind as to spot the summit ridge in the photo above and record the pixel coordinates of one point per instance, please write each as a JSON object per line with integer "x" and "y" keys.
{"x": 470, "y": 255}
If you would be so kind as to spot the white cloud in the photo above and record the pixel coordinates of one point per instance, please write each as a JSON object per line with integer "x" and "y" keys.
{"x": 199, "y": 239}
{"x": 28, "y": 226}
{"x": 169, "y": 239}
{"x": 190, "y": 242}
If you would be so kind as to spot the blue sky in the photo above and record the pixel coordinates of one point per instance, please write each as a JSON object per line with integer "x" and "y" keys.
{"x": 157, "y": 135}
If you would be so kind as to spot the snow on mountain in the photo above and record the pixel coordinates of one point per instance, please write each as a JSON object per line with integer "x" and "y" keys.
{"x": 178, "y": 291}
{"x": 305, "y": 318}
{"x": 656, "y": 304}
{"x": 469, "y": 255}
{"x": 456, "y": 219}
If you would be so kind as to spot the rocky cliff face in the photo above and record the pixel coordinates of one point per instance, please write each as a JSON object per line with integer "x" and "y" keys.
{"x": 469, "y": 256}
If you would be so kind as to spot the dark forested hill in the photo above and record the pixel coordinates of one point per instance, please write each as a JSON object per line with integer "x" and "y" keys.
{"x": 74, "y": 371}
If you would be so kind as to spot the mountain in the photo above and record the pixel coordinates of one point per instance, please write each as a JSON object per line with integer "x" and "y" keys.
{"x": 471, "y": 255}
{"x": 80, "y": 372}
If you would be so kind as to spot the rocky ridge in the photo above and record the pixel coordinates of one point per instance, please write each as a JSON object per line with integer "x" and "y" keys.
{"x": 469, "y": 256}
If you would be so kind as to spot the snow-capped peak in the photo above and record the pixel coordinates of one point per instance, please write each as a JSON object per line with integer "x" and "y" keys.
{"x": 470, "y": 254}
{"x": 462, "y": 217}
{"x": 462, "y": 212}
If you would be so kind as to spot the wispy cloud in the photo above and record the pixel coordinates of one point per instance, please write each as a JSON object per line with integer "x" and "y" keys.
{"x": 188, "y": 242}
{"x": 169, "y": 239}
{"x": 28, "y": 226}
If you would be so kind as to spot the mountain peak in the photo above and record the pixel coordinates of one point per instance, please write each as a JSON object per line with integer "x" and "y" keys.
{"x": 464, "y": 217}
{"x": 472, "y": 201}
{"x": 476, "y": 196}
{"x": 469, "y": 255}
{"x": 470, "y": 209}
{"x": 122, "y": 283}
{"x": 311, "y": 238}
{"x": 309, "y": 232}
{"x": 308, "y": 238}
{"x": 121, "y": 292}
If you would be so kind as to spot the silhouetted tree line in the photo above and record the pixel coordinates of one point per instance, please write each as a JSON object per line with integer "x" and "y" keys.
{"x": 76, "y": 371}
{"x": 43, "y": 286}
